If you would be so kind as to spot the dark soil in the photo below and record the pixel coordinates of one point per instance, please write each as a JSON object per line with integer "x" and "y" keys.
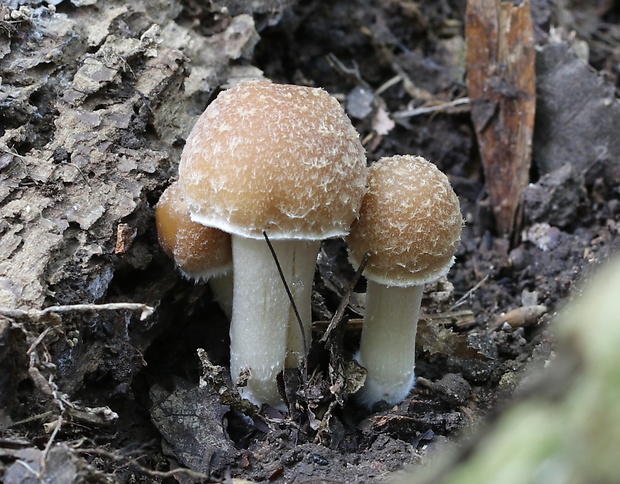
{"x": 95, "y": 104}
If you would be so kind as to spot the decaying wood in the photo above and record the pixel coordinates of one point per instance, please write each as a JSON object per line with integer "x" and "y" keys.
{"x": 77, "y": 162}
{"x": 520, "y": 317}
{"x": 501, "y": 83}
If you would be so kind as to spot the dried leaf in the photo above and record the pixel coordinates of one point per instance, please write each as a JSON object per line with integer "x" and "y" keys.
{"x": 190, "y": 420}
{"x": 577, "y": 115}
{"x": 382, "y": 124}
{"x": 33, "y": 466}
{"x": 435, "y": 339}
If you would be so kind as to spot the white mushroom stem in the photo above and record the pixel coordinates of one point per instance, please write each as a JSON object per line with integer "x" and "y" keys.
{"x": 262, "y": 316}
{"x": 387, "y": 348}
{"x": 300, "y": 284}
{"x": 222, "y": 289}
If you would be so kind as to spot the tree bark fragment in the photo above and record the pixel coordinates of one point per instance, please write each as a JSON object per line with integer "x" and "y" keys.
{"x": 502, "y": 88}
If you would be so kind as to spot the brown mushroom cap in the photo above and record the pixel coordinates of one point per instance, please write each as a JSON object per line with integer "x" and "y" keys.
{"x": 410, "y": 223}
{"x": 278, "y": 158}
{"x": 200, "y": 252}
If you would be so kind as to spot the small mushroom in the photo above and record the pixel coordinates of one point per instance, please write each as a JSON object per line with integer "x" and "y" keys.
{"x": 410, "y": 225}
{"x": 284, "y": 161}
{"x": 200, "y": 253}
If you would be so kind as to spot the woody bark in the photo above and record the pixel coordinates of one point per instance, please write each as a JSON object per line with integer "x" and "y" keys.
{"x": 501, "y": 84}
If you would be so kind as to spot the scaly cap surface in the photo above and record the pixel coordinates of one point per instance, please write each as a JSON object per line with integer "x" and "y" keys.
{"x": 410, "y": 223}
{"x": 280, "y": 158}
{"x": 200, "y": 252}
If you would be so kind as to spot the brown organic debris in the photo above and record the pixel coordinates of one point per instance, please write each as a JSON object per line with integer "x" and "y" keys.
{"x": 520, "y": 317}
{"x": 438, "y": 340}
{"x": 125, "y": 235}
{"x": 190, "y": 421}
{"x": 502, "y": 89}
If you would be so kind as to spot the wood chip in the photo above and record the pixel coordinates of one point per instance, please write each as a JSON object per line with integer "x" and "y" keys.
{"x": 502, "y": 89}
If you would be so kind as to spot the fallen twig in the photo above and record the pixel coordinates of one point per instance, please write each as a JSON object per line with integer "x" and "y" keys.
{"x": 465, "y": 296}
{"x": 337, "y": 318}
{"x": 37, "y": 314}
{"x": 410, "y": 113}
{"x": 132, "y": 462}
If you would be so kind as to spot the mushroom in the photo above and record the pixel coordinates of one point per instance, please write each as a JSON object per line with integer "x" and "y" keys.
{"x": 410, "y": 225}
{"x": 199, "y": 252}
{"x": 284, "y": 161}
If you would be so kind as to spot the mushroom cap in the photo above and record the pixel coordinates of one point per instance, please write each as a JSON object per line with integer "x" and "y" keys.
{"x": 200, "y": 252}
{"x": 277, "y": 158}
{"x": 410, "y": 223}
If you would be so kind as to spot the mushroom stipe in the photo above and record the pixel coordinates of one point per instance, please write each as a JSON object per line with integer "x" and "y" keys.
{"x": 286, "y": 161}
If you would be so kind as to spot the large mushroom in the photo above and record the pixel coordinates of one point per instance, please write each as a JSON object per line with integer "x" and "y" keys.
{"x": 284, "y": 161}
{"x": 410, "y": 225}
{"x": 200, "y": 253}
